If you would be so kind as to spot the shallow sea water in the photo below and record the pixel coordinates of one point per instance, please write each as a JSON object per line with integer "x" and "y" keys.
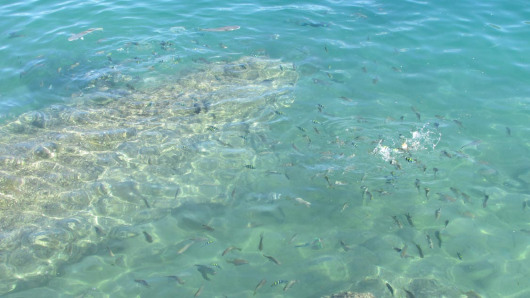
{"x": 349, "y": 134}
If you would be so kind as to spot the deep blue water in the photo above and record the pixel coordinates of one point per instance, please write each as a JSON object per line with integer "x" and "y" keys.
{"x": 351, "y": 134}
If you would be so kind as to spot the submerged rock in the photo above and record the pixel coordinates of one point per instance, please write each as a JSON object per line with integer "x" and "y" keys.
{"x": 119, "y": 155}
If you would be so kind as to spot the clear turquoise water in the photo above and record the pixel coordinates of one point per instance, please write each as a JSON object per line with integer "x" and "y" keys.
{"x": 332, "y": 136}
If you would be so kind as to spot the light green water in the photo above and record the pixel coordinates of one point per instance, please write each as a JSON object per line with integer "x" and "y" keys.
{"x": 151, "y": 146}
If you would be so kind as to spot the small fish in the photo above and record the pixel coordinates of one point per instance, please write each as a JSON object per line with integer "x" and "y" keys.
{"x": 404, "y": 251}
{"x": 390, "y": 288}
{"x": 447, "y": 154}
{"x": 142, "y": 282}
{"x": 435, "y": 170}
{"x": 221, "y": 29}
{"x": 205, "y": 270}
{"x": 417, "y": 184}
{"x": 444, "y": 197}
{"x": 99, "y": 231}
{"x": 199, "y": 291}
{"x": 365, "y": 189}
{"x": 370, "y": 196}
{"x": 208, "y": 242}
{"x": 458, "y": 123}
{"x": 459, "y": 255}
{"x": 177, "y": 192}
{"x": 409, "y": 294}
{"x": 260, "y": 285}
{"x": 237, "y": 262}
{"x": 455, "y": 191}
{"x": 474, "y": 143}
{"x": 429, "y": 241}
{"x": 146, "y": 203}
{"x": 315, "y": 24}
{"x": 508, "y": 131}
{"x": 110, "y": 252}
{"x": 345, "y": 98}
{"x": 437, "y": 213}
{"x": 396, "y": 69}
{"x": 302, "y": 244}
{"x": 485, "y": 202}
{"x": 427, "y": 190}
{"x": 439, "y": 238}
{"x": 317, "y": 243}
{"x": 360, "y": 15}
{"x": 396, "y": 164}
{"x": 251, "y": 167}
{"x": 176, "y": 278}
{"x": 375, "y": 80}
{"x": 344, "y": 246}
{"x": 185, "y": 248}
{"x": 229, "y": 249}
{"x": 289, "y": 285}
{"x": 281, "y": 281}
{"x": 467, "y": 198}
{"x": 80, "y": 35}
{"x": 148, "y": 237}
{"x": 260, "y": 246}
{"x": 396, "y": 220}
{"x": 446, "y": 223}
{"x": 409, "y": 219}
{"x": 524, "y": 205}
{"x": 326, "y": 49}
{"x": 419, "y": 250}
{"x": 303, "y": 202}
{"x": 328, "y": 181}
{"x": 344, "y": 207}
{"x": 296, "y": 148}
{"x": 272, "y": 172}
{"x": 15, "y": 35}
{"x": 495, "y": 26}
{"x": 273, "y": 259}
{"x": 207, "y": 228}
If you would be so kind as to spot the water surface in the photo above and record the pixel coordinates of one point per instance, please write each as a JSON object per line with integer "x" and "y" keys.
{"x": 351, "y": 135}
